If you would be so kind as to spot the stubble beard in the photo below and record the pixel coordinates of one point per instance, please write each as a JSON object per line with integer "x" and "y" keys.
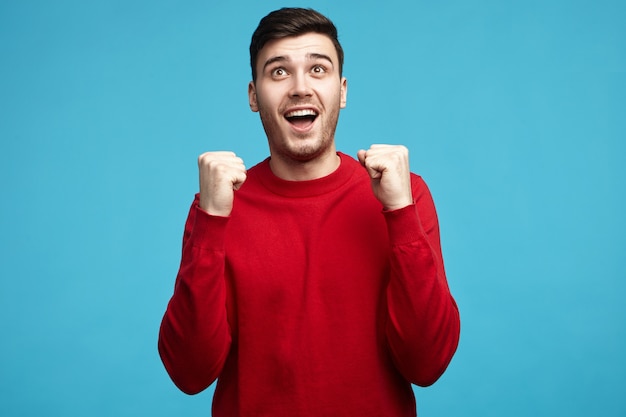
{"x": 306, "y": 146}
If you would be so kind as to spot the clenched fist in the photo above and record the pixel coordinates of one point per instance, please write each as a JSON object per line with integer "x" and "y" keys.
{"x": 388, "y": 168}
{"x": 221, "y": 174}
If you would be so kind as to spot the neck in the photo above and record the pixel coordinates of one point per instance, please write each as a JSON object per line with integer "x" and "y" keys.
{"x": 294, "y": 170}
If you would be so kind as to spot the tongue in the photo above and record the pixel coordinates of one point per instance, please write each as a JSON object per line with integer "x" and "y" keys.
{"x": 301, "y": 122}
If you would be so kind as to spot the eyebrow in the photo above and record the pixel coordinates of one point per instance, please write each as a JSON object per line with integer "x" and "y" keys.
{"x": 310, "y": 56}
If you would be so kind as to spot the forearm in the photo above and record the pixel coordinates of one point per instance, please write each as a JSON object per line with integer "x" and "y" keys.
{"x": 194, "y": 338}
{"x": 423, "y": 319}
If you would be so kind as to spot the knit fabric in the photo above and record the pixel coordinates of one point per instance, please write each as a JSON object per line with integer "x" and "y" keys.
{"x": 311, "y": 300}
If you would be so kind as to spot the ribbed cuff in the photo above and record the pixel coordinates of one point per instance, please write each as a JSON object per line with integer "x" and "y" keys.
{"x": 403, "y": 225}
{"x": 208, "y": 231}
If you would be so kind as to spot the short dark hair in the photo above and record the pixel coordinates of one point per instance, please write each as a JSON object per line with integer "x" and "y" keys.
{"x": 292, "y": 21}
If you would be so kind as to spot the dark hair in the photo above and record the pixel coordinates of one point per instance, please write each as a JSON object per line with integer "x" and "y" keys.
{"x": 288, "y": 22}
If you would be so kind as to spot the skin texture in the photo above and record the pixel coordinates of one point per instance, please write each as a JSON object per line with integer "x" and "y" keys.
{"x": 221, "y": 174}
{"x": 301, "y": 73}
{"x": 388, "y": 167}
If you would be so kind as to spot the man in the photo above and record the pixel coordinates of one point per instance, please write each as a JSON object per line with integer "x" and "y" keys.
{"x": 311, "y": 284}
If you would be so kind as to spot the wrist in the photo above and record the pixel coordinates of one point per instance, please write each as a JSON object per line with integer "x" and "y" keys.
{"x": 397, "y": 206}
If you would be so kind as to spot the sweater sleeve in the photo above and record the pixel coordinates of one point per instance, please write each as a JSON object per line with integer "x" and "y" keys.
{"x": 195, "y": 338}
{"x": 423, "y": 327}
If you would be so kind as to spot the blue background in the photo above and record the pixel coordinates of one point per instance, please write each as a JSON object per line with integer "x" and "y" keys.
{"x": 514, "y": 113}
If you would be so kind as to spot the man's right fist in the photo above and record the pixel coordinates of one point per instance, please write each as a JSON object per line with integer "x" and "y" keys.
{"x": 221, "y": 173}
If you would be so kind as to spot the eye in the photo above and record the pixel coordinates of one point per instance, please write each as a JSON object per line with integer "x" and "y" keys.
{"x": 279, "y": 72}
{"x": 318, "y": 69}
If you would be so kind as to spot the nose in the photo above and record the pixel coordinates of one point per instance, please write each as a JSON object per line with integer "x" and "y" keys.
{"x": 300, "y": 86}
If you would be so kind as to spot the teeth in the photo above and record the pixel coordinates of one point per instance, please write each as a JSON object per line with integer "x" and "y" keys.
{"x": 301, "y": 113}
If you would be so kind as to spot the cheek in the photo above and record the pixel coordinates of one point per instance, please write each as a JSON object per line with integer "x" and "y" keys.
{"x": 270, "y": 98}
{"x": 335, "y": 93}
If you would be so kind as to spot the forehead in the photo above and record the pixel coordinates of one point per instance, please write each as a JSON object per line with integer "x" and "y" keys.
{"x": 298, "y": 47}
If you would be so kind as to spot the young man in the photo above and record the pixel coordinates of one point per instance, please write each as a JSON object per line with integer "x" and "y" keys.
{"x": 311, "y": 284}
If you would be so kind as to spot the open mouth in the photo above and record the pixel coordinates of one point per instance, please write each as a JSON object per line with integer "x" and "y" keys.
{"x": 301, "y": 118}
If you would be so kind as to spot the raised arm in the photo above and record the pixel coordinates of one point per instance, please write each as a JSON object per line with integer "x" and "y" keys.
{"x": 423, "y": 320}
{"x": 423, "y": 327}
{"x": 195, "y": 338}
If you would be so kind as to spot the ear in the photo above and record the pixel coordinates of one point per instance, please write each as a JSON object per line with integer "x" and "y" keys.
{"x": 344, "y": 92}
{"x": 254, "y": 106}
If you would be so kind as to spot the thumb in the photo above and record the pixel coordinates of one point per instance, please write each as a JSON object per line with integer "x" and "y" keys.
{"x": 372, "y": 171}
{"x": 361, "y": 156}
{"x": 238, "y": 180}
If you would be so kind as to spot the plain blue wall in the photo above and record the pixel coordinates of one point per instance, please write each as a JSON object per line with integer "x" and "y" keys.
{"x": 514, "y": 113}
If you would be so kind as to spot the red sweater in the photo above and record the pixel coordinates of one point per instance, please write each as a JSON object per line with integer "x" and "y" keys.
{"x": 310, "y": 300}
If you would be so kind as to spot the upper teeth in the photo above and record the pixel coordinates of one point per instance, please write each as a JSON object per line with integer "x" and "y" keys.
{"x": 300, "y": 113}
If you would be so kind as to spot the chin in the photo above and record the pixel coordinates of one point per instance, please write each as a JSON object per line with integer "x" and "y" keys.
{"x": 303, "y": 152}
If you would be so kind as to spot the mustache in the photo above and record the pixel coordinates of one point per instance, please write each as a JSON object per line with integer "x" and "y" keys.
{"x": 298, "y": 103}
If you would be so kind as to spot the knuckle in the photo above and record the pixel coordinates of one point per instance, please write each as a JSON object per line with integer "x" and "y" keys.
{"x": 205, "y": 158}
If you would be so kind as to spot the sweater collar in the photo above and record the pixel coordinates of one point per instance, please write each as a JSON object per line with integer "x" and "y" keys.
{"x": 309, "y": 188}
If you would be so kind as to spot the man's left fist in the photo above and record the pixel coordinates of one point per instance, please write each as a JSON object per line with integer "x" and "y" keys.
{"x": 388, "y": 167}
